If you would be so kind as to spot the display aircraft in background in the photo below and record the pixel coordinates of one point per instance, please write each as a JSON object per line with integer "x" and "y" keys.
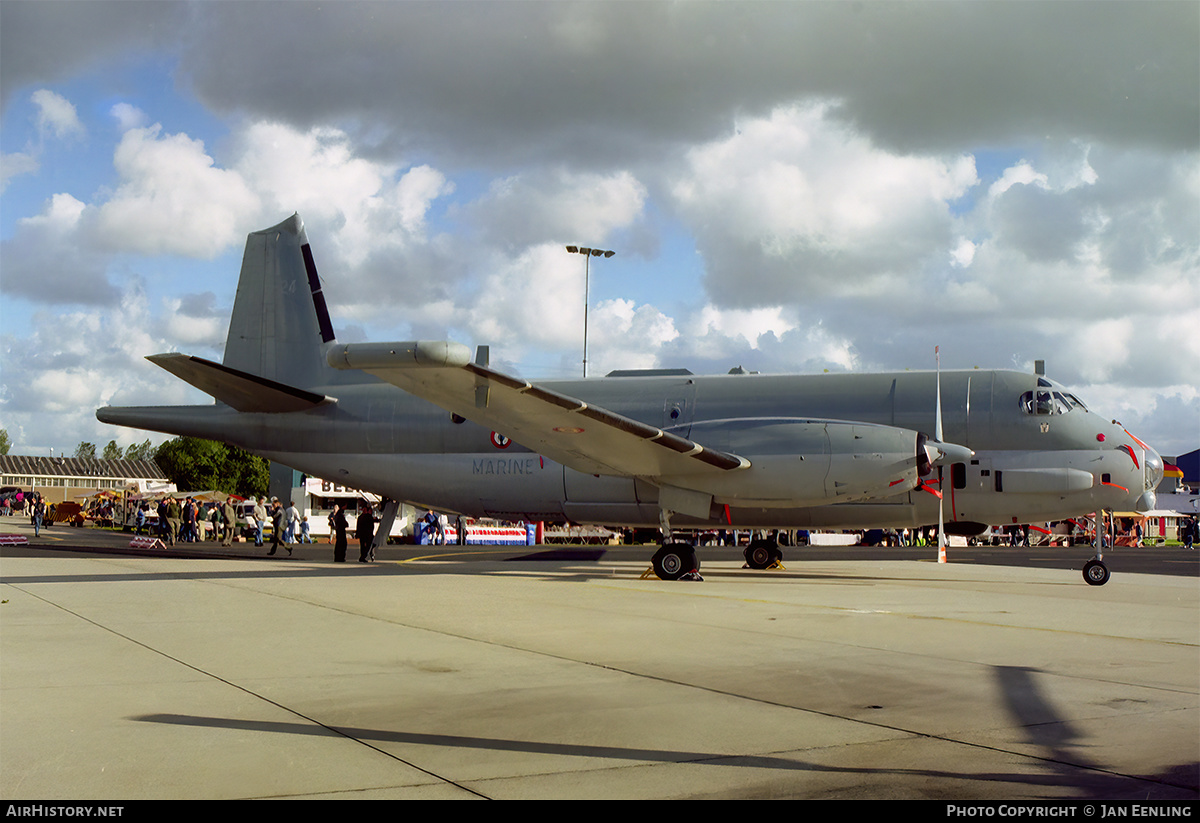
{"x": 428, "y": 423}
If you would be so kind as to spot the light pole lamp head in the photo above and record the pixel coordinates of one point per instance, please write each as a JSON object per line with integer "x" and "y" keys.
{"x": 585, "y": 251}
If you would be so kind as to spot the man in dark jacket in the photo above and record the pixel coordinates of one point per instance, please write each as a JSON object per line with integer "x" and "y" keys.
{"x": 277, "y": 528}
{"x": 365, "y": 532}
{"x": 338, "y": 521}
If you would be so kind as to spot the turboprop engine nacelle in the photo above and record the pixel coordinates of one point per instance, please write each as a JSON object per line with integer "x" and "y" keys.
{"x": 808, "y": 462}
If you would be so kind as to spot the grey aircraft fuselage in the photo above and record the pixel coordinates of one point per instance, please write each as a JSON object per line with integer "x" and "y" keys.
{"x": 801, "y": 451}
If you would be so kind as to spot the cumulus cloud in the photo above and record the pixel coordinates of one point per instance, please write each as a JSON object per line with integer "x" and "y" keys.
{"x": 172, "y": 198}
{"x": 53, "y": 380}
{"x": 56, "y": 114}
{"x": 46, "y": 260}
{"x": 14, "y": 164}
{"x": 128, "y": 116}
{"x": 557, "y": 205}
{"x": 795, "y": 204}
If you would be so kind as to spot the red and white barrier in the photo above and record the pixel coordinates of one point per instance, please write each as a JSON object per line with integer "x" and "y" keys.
{"x": 13, "y": 540}
{"x": 145, "y": 543}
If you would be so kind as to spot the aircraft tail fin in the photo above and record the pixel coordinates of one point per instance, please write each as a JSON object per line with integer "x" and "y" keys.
{"x": 280, "y": 320}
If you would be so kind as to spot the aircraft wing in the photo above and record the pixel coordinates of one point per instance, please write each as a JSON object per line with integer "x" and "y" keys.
{"x": 584, "y": 437}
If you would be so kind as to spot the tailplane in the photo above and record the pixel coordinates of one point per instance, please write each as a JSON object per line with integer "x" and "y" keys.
{"x": 239, "y": 390}
{"x": 280, "y": 320}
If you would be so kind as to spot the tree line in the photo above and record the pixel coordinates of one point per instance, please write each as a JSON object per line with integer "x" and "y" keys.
{"x": 191, "y": 463}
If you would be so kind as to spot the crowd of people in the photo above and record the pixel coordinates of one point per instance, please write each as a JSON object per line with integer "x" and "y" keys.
{"x": 191, "y": 520}
{"x": 266, "y": 522}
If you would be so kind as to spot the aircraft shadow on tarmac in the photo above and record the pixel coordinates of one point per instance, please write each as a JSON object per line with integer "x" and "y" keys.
{"x": 531, "y": 571}
{"x": 1062, "y": 770}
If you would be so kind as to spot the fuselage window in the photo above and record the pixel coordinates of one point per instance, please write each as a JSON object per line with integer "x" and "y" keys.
{"x": 1045, "y": 402}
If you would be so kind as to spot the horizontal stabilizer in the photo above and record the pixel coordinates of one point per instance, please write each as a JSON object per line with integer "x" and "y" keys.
{"x": 237, "y": 389}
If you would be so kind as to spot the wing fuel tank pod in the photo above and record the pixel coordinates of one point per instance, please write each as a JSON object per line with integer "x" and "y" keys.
{"x": 410, "y": 354}
{"x": 808, "y": 462}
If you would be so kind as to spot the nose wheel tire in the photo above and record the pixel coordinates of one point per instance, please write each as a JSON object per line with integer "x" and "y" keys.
{"x": 674, "y": 560}
{"x": 1095, "y": 573}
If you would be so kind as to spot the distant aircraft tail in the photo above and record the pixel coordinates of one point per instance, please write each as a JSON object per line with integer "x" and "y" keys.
{"x": 280, "y": 320}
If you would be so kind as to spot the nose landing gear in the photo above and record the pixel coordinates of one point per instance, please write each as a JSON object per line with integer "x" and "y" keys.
{"x": 1095, "y": 572}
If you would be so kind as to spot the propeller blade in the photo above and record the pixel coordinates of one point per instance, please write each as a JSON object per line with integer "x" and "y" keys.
{"x": 947, "y": 452}
{"x": 941, "y": 523}
{"x": 937, "y": 359}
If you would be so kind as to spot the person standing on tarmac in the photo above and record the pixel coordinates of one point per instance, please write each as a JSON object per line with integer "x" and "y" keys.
{"x": 338, "y": 521}
{"x": 39, "y": 513}
{"x": 277, "y": 517}
{"x": 173, "y": 524}
{"x": 292, "y": 515}
{"x": 364, "y": 530}
{"x": 260, "y": 517}
{"x": 229, "y": 513}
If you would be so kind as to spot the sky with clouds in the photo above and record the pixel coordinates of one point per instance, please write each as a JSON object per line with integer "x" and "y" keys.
{"x": 788, "y": 187}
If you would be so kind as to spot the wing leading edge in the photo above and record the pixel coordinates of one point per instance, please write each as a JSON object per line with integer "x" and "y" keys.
{"x": 583, "y": 437}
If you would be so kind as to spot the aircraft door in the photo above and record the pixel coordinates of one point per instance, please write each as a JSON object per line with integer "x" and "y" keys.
{"x": 380, "y": 426}
{"x": 979, "y": 407}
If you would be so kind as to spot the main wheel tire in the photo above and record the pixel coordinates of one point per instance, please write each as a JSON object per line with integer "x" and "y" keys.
{"x": 759, "y": 554}
{"x": 674, "y": 560}
{"x": 1095, "y": 573}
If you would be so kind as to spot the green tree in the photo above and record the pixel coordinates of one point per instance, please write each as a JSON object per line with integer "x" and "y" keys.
{"x": 86, "y": 451}
{"x": 193, "y": 464}
{"x": 250, "y": 475}
{"x": 5, "y": 443}
{"x": 140, "y": 451}
{"x": 112, "y": 451}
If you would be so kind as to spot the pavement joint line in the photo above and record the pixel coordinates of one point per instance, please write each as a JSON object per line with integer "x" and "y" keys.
{"x": 332, "y": 729}
{"x": 629, "y": 673}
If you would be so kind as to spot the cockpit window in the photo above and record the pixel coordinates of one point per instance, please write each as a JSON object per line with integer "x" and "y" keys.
{"x": 1046, "y": 402}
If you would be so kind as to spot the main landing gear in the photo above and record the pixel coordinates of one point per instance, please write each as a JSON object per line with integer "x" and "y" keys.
{"x": 674, "y": 559}
{"x": 677, "y": 560}
{"x": 763, "y": 553}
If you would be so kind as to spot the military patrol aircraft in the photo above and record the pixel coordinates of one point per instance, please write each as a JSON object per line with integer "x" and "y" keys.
{"x": 426, "y": 422}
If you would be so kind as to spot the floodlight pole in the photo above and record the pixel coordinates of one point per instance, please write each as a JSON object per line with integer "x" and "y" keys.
{"x": 588, "y": 254}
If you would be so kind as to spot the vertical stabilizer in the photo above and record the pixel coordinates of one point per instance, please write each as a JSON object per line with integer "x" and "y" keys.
{"x": 279, "y": 316}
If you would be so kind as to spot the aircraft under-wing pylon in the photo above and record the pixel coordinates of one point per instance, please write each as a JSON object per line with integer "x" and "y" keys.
{"x": 426, "y": 422}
